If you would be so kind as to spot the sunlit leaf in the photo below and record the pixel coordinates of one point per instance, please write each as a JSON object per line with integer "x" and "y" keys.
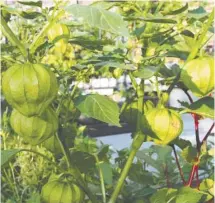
{"x": 99, "y": 18}
{"x": 203, "y": 107}
{"x": 7, "y": 155}
{"x": 99, "y": 107}
{"x": 146, "y": 72}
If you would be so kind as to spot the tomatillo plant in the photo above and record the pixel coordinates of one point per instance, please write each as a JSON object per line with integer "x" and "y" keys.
{"x": 48, "y": 54}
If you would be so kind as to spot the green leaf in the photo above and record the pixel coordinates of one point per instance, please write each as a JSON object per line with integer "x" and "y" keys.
{"x": 152, "y": 162}
{"x": 146, "y": 72}
{"x": 115, "y": 65}
{"x": 181, "y": 143}
{"x": 85, "y": 144}
{"x": 189, "y": 154}
{"x": 163, "y": 152}
{"x": 188, "y": 195}
{"x": 138, "y": 175}
{"x": 178, "y": 11}
{"x": 107, "y": 172}
{"x": 160, "y": 20}
{"x": 31, "y": 3}
{"x": 84, "y": 161}
{"x": 90, "y": 43}
{"x": 30, "y": 14}
{"x": 99, "y": 18}
{"x": 7, "y": 155}
{"x": 208, "y": 186}
{"x": 103, "y": 152}
{"x": 35, "y": 198}
{"x": 164, "y": 195}
{"x": 203, "y": 107}
{"x": 99, "y": 107}
{"x": 197, "y": 13}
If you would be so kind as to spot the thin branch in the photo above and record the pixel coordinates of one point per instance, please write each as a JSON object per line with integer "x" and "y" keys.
{"x": 207, "y": 134}
{"x": 178, "y": 165}
{"x": 193, "y": 171}
{"x": 196, "y": 123}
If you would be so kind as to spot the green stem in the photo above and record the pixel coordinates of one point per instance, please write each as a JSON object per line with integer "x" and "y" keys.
{"x": 137, "y": 141}
{"x": 11, "y": 184}
{"x": 75, "y": 172}
{"x": 63, "y": 151}
{"x": 36, "y": 42}
{"x": 12, "y": 38}
{"x": 74, "y": 89}
{"x": 101, "y": 177}
{"x": 14, "y": 179}
{"x": 140, "y": 103}
{"x": 194, "y": 51}
{"x": 133, "y": 81}
{"x": 157, "y": 88}
{"x": 123, "y": 176}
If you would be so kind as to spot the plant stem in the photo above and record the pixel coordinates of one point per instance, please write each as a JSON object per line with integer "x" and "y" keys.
{"x": 196, "y": 123}
{"x": 167, "y": 176}
{"x": 11, "y": 184}
{"x": 123, "y": 176}
{"x": 74, "y": 171}
{"x": 101, "y": 177}
{"x": 193, "y": 171}
{"x": 157, "y": 88}
{"x": 178, "y": 164}
{"x": 197, "y": 176}
{"x": 133, "y": 81}
{"x": 14, "y": 179}
{"x": 207, "y": 134}
{"x": 137, "y": 141}
{"x": 12, "y": 38}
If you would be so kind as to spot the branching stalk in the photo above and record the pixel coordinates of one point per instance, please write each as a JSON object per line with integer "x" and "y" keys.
{"x": 123, "y": 176}
{"x": 101, "y": 177}
{"x": 178, "y": 164}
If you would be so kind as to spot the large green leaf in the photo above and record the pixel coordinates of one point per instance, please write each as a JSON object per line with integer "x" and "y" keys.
{"x": 181, "y": 143}
{"x": 107, "y": 172}
{"x": 7, "y": 155}
{"x": 207, "y": 185}
{"x": 146, "y": 72}
{"x": 203, "y": 107}
{"x": 99, "y": 18}
{"x": 153, "y": 19}
{"x": 84, "y": 161}
{"x": 152, "y": 162}
{"x": 189, "y": 154}
{"x": 99, "y": 107}
{"x": 164, "y": 195}
{"x": 198, "y": 13}
{"x": 188, "y": 195}
{"x": 35, "y": 198}
{"x": 31, "y": 3}
{"x": 115, "y": 65}
{"x": 182, "y": 195}
{"x": 178, "y": 11}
